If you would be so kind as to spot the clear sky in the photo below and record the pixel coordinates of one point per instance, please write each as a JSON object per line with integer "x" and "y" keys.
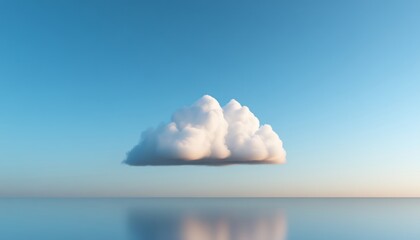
{"x": 339, "y": 81}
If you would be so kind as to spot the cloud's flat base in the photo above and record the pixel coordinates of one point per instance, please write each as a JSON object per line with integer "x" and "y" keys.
{"x": 201, "y": 162}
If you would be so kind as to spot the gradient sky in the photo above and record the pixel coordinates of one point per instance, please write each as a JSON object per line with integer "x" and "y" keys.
{"x": 339, "y": 81}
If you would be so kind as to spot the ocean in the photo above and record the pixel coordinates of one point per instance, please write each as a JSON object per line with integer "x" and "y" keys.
{"x": 210, "y": 219}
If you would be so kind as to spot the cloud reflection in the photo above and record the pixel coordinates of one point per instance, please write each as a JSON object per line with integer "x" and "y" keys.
{"x": 204, "y": 220}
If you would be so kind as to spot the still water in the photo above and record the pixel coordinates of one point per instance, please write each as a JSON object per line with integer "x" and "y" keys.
{"x": 209, "y": 219}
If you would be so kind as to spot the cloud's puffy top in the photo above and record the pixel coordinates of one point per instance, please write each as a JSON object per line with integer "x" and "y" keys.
{"x": 207, "y": 134}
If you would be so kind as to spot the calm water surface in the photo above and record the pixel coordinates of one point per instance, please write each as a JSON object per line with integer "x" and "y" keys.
{"x": 209, "y": 219}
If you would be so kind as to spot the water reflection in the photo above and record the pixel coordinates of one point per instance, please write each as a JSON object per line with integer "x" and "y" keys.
{"x": 206, "y": 220}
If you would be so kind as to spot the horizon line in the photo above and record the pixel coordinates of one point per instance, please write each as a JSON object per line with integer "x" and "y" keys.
{"x": 209, "y": 197}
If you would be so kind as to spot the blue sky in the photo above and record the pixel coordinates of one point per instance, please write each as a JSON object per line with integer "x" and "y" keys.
{"x": 339, "y": 81}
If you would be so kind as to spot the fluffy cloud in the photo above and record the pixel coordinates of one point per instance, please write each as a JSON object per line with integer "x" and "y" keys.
{"x": 207, "y": 134}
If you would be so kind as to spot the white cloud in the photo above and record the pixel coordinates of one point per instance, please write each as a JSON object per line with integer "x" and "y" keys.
{"x": 207, "y": 134}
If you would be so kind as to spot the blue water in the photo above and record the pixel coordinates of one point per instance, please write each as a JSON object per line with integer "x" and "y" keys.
{"x": 209, "y": 219}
